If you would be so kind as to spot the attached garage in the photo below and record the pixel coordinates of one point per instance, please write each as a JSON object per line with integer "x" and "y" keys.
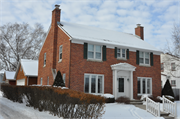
{"x": 20, "y": 82}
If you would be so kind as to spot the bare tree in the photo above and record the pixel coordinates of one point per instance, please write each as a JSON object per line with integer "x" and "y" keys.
{"x": 19, "y": 41}
{"x": 173, "y": 53}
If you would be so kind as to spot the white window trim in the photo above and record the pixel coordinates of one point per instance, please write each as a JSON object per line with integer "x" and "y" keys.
{"x": 44, "y": 60}
{"x": 60, "y": 60}
{"x": 64, "y": 78}
{"x": 90, "y": 75}
{"x": 143, "y": 64}
{"x": 173, "y": 67}
{"x": 121, "y": 53}
{"x": 174, "y": 82}
{"x": 48, "y": 80}
{"x": 94, "y": 59}
{"x": 146, "y": 85}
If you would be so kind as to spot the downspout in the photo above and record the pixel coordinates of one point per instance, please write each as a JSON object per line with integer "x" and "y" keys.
{"x": 27, "y": 80}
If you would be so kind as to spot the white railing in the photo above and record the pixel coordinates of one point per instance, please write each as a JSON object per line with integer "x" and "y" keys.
{"x": 152, "y": 107}
{"x": 169, "y": 106}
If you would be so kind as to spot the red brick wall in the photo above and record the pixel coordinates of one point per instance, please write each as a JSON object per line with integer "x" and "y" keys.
{"x": 79, "y": 66}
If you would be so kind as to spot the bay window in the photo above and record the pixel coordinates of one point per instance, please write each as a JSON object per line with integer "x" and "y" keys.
{"x": 93, "y": 83}
{"x": 144, "y": 85}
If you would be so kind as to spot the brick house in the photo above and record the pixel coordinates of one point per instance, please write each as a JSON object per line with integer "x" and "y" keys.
{"x": 9, "y": 77}
{"x": 95, "y": 60}
{"x": 26, "y": 72}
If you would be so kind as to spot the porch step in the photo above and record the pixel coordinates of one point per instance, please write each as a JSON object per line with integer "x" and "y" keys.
{"x": 164, "y": 114}
{"x": 136, "y": 102}
{"x": 167, "y": 117}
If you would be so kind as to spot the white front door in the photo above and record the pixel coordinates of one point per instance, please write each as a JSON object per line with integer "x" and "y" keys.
{"x": 123, "y": 87}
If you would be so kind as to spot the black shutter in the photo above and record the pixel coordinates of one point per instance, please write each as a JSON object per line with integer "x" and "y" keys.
{"x": 115, "y": 52}
{"x": 104, "y": 53}
{"x": 85, "y": 50}
{"x": 137, "y": 57}
{"x": 151, "y": 56}
{"x": 127, "y": 53}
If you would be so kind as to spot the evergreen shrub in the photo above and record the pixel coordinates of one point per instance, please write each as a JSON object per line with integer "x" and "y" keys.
{"x": 167, "y": 90}
{"x": 59, "y": 80}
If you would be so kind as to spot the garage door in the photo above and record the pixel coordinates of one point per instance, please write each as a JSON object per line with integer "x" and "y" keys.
{"x": 21, "y": 82}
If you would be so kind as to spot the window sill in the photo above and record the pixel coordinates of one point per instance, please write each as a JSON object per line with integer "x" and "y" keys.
{"x": 144, "y": 65}
{"x": 60, "y": 61}
{"x": 145, "y": 94}
{"x": 121, "y": 59}
{"x": 44, "y": 66}
{"x": 94, "y": 60}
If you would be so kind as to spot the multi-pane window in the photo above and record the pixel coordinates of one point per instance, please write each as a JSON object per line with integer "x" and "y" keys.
{"x": 162, "y": 67}
{"x": 60, "y": 52}
{"x": 173, "y": 68}
{"x": 64, "y": 78}
{"x": 41, "y": 81}
{"x": 93, "y": 83}
{"x": 144, "y": 58}
{"x": 144, "y": 85}
{"x": 173, "y": 82}
{"x": 121, "y": 53}
{"x": 94, "y": 52}
{"x": 44, "y": 59}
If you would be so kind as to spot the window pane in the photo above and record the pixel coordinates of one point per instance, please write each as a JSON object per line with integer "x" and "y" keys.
{"x": 121, "y": 85}
{"x": 148, "y": 86}
{"x": 118, "y": 50}
{"x": 141, "y": 54}
{"x": 90, "y": 47}
{"x": 60, "y": 57}
{"x": 98, "y": 55}
{"x": 98, "y": 48}
{"x": 60, "y": 49}
{"x": 118, "y": 54}
{"x": 146, "y": 61}
{"x": 93, "y": 84}
{"x": 99, "y": 84}
{"x": 141, "y": 60}
{"x": 139, "y": 85}
{"x": 90, "y": 54}
{"x": 144, "y": 86}
{"x": 86, "y": 84}
{"x": 147, "y": 55}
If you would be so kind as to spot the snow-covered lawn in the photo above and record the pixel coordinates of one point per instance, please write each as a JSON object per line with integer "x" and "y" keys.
{"x": 112, "y": 111}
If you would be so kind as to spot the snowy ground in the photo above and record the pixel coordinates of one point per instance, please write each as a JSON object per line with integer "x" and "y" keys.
{"x": 11, "y": 110}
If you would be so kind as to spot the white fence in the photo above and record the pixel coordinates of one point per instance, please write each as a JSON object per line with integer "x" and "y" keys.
{"x": 169, "y": 106}
{"x": 152, "y": 107}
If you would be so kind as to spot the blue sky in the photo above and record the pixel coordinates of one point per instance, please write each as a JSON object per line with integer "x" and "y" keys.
{"x": 157, "y": 16}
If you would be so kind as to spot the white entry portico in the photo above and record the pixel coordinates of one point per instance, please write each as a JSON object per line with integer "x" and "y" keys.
{"x": 123, "y": 80}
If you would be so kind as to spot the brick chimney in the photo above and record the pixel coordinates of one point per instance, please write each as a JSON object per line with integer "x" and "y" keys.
{"x": 55, "y": 18}
{"x": 139, "y": 31}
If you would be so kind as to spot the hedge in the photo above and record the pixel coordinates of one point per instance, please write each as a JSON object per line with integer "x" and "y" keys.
{"x": 59, "y": 102}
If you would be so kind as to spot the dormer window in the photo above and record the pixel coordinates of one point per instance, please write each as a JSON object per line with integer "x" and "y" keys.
{"x": 121, "y": 53}
{"x": 94, "y": 52}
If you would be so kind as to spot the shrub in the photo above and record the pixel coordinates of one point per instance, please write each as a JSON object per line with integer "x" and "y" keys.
{"x": 58, "y": 80}
{"x": 167, "y": 89}
{"x": 155, "y": 99}
{"x": 109, "y": 100}
{"x": 125, "y": 100}
{"x": 64, "y": 103}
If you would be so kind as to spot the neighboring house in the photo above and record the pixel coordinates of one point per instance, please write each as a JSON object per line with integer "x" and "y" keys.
{"x": 9, "y": 77}
{"x": 27, "y": 72}
{"x": 2, "y": 75}
{"x": 97, "y": 61}
{"x": 170, "y": 69}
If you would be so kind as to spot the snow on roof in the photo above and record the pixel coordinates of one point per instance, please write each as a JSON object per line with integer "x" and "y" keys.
{"x": 30, "y": 67}
{"x": 2, "y": 71}
{"x": 10, "y": 75}
{"x": 104, "y": 36}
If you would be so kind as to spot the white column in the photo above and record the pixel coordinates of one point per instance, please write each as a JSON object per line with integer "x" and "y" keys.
{"x": 131, "y": 85}
{"x": 115, "y": 83}
{"x": 113, "y": 72}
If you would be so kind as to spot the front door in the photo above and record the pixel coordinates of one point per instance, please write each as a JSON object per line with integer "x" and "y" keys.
{"x": 123, "y": 87}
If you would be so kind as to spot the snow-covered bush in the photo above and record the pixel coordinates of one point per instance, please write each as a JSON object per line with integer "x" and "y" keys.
{"x": 109, "y": 98}
{"x": 61, "y": 102}
{"x": 123, "y": 99}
